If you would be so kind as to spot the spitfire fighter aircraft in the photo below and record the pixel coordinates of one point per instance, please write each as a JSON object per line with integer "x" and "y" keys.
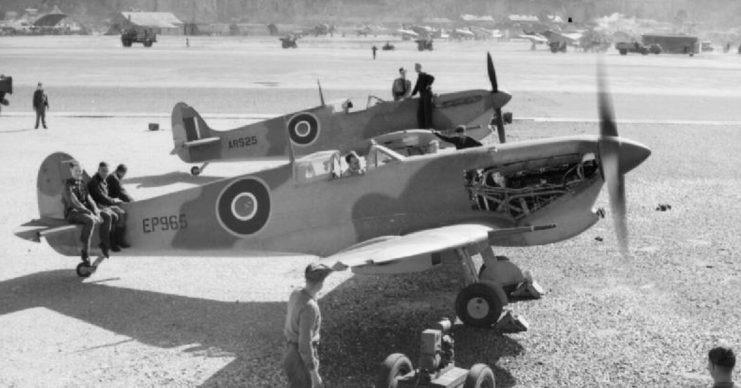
{"x": 399, "y": 215}
{"x": 330, "y": 126}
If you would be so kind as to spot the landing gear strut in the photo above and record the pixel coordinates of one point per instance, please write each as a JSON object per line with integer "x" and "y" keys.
{"x": 195, "y": 170}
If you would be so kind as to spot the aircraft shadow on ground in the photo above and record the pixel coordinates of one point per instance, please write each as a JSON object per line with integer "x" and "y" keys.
{"x": 169, "y": 179}
{"x": 358, "y": 331}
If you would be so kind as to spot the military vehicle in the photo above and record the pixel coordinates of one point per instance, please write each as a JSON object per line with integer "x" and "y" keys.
{"x": 146, "y": 36}
{"x": 636, "y": 47}
{"x": 289, "y": 41}
{"x": 424, "y": 44}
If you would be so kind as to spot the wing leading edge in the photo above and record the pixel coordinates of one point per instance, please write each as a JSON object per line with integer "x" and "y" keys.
{"x": 414, "y": 252}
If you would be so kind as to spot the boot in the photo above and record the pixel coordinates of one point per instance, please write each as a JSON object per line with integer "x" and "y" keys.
{"x": 85, "y": 257}
{"x": 120, "y": 239}
{"x": 104, "y": 248}
{"x": 114, "y": 244}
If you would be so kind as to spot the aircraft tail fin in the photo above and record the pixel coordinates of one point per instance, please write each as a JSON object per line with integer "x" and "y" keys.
{"x": 189, "y": 129}
{"x": 54, "y": 171}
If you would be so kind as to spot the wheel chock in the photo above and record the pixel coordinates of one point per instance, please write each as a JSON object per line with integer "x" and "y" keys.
{"x": 528, "y": 290}
{"x": 511, "y": 323}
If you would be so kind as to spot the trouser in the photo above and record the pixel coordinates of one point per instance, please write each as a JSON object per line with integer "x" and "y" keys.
{"x": 40, "y": 114}
{"x": 108, "y": 217}
{"x": 295, "y": 368}
{"x": 424, "y": 111}
{"x": 119, "y": 225}
{"x": 88, "y": 222}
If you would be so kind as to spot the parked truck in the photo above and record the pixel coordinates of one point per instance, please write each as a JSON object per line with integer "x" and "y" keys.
{"x": 145, "y": 36}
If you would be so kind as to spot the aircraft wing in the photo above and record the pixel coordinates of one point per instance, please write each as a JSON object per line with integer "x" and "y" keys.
{"x": 534, "y": 38}
{"x": 413, "y": 252}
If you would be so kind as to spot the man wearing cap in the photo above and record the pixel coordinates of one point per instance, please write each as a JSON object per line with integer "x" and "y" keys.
{"x": 424, "y": 87}
{"x": 303, "y": 322}
{"x": 402, "y": 87}
{"x": 461, "y": 141}
{"x": 40, "y": 105}
{"x": 721, "y": 361}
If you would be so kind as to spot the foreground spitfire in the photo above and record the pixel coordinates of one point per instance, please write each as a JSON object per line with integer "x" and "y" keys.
{"x": 330, "y": 126}
{"x": 398, "y": 216}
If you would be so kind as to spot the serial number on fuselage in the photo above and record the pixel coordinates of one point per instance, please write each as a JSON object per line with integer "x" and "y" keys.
{"x": 243, "y": 142}
{"x": 164, "y": 223}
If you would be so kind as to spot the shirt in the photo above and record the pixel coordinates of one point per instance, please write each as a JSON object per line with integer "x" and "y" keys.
{"x": 40, "y": 100}
{"x": 466, "y": 142}
{"x": 75, "y": 196}
{"x": 424, "y": 83}
{"x": 303, "y": 322}
{"x": 401, "y": 88}
{"x": 99, "y": 191}
{"x": 115, "y": 189}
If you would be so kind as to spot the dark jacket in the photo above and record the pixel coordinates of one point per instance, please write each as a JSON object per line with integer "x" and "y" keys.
{"x": 424, "y": 83}
{"x": 116, "y": 189}
{"x": 40, "y": 100}
{"x": 99, "y": 191}
{"x": 466, "y": 142}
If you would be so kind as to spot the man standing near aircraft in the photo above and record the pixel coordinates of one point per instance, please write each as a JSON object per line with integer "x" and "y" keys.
{"x": 424, "y": 87}
{"x": 115, "y": 188}
{"x": 402, "y": 87}
{"x": 461, "y": 141}
{"x": 98, "y": 188}
{"x": 79, "y": 208}
{"x": 303, "y": 322}
{"x": 40, "y": 105}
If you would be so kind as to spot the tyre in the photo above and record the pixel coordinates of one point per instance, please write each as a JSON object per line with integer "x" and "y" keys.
{"x": 195, "y": 171}
{"x": 480, "y": 304}
{"x": 393, "y": 367}
{"x": 480, "y": 376}
{"x": 147, "y": 43}
{"x": 83, "y": 270}
{"x": 623, "y": 52}
{"x": 126, "y": 43}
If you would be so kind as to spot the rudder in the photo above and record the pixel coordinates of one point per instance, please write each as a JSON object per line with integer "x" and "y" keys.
{"x": 187, "y": 126}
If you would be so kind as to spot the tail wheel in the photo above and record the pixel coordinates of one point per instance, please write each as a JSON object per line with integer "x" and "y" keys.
{"x": 84, "y": 270}
{"x": 393, "y": 367}
{"x": 480, "y": 376}
{"x": 195, "y": 171}
{"x": 480, "y": 304}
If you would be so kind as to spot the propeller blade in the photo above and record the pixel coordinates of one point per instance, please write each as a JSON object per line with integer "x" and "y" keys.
{"x": 492, "y": 73}
{"x": 609, "y": 149}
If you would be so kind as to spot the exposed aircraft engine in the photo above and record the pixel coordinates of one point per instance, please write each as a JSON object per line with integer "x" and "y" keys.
{"x": 520, "y": 189}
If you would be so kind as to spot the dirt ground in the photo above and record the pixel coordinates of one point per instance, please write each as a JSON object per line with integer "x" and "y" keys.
{"x": 217, "y": 322}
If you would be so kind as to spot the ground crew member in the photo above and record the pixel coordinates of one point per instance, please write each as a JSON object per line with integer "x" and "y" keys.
{"x": 6, "y": 86}
{"x": 40, "y": 105}
{"x": 303, "y": 322}
{"x": 402, "y": 87}
{"x": 721, "y": 361}
{"x": 98, "y": 188}
{"x": 424, "y": 87}
{"x": 115, "y": 188}
{"x": 80, "y": 208}
{"x": 374, "y": 49}
{"x": 460, "y": 141}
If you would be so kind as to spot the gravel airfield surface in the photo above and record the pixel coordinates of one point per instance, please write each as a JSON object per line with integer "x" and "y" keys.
{"x": 199, "y": 321}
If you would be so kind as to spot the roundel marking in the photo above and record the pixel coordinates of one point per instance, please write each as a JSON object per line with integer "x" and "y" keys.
{"x": 243, "y": 207}
{"x": 303, "y": 128}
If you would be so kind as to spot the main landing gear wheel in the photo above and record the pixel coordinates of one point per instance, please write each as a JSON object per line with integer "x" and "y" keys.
{"x": 84, "y": 270}
{"x": 394, "y": 366}
{"x": 480, "y": 376}
{"x": 480, "y": 304}
{"x": 195, "y": 171}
